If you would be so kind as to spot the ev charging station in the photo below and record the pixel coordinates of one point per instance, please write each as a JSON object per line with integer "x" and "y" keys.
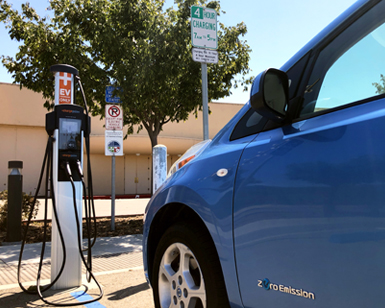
{"x": 67, "y": 126}
{"x": 68, "y": 121}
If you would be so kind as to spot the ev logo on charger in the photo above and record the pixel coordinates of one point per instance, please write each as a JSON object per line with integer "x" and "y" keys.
{"x": 65, "y": 82}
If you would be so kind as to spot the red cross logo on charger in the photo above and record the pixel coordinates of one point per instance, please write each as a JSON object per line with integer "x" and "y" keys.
{"x": 65, "y": 82}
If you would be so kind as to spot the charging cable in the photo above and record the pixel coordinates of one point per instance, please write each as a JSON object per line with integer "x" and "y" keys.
{"x": 88, "y": 268}
{"x": 47, "y": 164}
{"x": 88, "y": 221}
{"x": 90, "y": 199}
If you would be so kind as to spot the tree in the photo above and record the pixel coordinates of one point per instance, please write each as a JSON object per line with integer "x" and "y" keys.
{"x": 134, "y": 45}
{"x": 380, "y": 86}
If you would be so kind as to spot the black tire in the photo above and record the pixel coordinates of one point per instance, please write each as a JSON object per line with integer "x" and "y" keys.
{"x": 200, "y": 284}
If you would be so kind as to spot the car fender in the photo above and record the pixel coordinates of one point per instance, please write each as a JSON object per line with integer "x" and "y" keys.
{"x": 218, "y": 221}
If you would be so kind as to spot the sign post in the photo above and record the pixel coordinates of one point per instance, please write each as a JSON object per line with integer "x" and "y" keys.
{"x": 113, "y": 147}
{"x": 113, "y": 139}
{"x": 204, "y": 35}
{"x": 205, "y": 102}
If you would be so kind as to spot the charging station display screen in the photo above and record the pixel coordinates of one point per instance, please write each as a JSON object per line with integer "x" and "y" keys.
{"x": 69, "y": 134}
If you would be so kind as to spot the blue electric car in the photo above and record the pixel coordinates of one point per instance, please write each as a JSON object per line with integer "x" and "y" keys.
{"x": 285, "y": 207}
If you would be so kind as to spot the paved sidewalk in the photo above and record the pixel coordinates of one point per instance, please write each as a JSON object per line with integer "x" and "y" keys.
{"x": 104, "y": 246}
{"x": 109, "y": 254}
{"x": 112, "y": 256}
{"x": 123, "y": 207}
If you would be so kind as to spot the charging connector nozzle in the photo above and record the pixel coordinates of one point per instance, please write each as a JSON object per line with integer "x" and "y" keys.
{"x": 80, "y": 169}
{"x": 68, "y": 168}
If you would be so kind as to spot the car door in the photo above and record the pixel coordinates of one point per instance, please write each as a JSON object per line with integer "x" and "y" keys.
{"x": 309, "y": 197}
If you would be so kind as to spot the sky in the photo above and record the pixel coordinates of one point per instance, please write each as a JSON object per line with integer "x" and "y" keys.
{"x": 277, "y": 29}
{"x": 351, "y": 77}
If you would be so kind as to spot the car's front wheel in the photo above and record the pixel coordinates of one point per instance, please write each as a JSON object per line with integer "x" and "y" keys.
{"x": 187, "y": 272}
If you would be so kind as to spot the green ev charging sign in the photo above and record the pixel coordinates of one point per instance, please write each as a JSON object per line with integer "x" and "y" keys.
{"x": 204, "y": 27}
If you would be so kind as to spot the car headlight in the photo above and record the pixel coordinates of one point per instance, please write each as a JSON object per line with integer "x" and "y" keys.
{"x": 188, "y": 156}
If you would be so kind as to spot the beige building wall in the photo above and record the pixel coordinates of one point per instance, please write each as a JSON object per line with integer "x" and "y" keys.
{"x": 23, "y": 137}
{"x": 22, "y": 133}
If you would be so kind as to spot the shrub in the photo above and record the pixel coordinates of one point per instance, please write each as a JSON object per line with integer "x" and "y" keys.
{"x": 25, "y": 209}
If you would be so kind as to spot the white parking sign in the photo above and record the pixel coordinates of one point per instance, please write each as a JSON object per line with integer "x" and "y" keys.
{"x": 113, "y": 142}
{"x": 114, "y": 117}
{"x": 204, "y": 27}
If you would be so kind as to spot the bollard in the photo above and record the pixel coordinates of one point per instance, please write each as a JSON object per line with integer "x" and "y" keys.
{"x": 15, "y": 201}
{"x": 159, "y": 162}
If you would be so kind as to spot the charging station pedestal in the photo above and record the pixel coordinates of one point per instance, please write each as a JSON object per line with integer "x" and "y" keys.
{"x": 68, "y": 139}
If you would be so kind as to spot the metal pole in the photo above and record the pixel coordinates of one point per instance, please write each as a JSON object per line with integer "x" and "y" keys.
{"x": 205, "y": 102}
{"x": 113, "y": 193}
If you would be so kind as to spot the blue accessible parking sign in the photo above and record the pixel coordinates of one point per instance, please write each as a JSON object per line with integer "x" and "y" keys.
{"x": 109, "y": 95}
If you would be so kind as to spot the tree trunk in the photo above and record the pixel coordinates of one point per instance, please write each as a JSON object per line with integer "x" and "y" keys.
{"x": 154, "y": 138}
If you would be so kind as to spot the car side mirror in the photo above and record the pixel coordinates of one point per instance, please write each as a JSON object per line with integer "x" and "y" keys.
{"x": 269, "y": 94}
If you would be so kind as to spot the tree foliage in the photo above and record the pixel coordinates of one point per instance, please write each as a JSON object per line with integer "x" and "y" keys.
{"x": 380, "y": 86}
{"x": 135, "y": 45}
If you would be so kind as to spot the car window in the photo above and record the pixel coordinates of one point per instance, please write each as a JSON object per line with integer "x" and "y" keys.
{"x": 350, "y": 68}
{"x": 251, "y": 123}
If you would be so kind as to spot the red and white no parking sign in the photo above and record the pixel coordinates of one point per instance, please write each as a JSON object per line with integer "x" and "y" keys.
{"x": 114, "y": 117}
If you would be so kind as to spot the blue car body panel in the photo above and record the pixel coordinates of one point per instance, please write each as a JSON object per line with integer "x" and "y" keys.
{"x": 314, "y": 221}
{"x": 298, "y": 221}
